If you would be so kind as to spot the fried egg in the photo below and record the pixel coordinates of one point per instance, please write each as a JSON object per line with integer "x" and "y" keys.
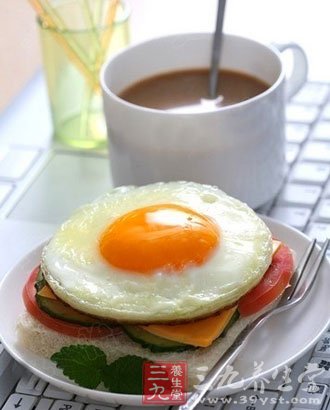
{"x": 160, "y": 253}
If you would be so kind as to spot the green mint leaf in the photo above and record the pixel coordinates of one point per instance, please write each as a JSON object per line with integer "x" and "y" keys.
{"x": 82, "y": 364}
{"x": 124, "y": 375}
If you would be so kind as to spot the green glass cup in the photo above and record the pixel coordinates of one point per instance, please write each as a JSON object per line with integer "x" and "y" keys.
{"x": 72, "y": 59}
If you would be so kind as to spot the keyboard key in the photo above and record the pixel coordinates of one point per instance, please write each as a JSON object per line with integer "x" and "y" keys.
{"x": 144, "y": 407}
{"x": 19, "y": 401}
{"x": 207, "y": 405}
{"x": 312, "y": 395}
{"x": 30, "y": 384}
{"x": 318, "y": 230}
{"x": 5, "y": 362}
{"x": 8, "y": 376}
{"x": 322, "y": 375}
{"x": 44, "y": 404}
{"x": 295, "y": 194}
{"x": 321, "y": 131}
{"x": 326, "y": 112}
{"x": 297, "y": 408}
{"x": 86, "y": 400}
{"x": 67, "y": 405}
{"x": 291, "y": 152}
{"x": 316, "y": 151}
{"x": 5, "y": 190}
{"x": 296, "y": 132}
{"x": 98, "y": 407}
{"x": 55, "y": 393}
{"x": 250, "y": 399}
{"x": 322, "y": 349}
{"x": 326, "y": 191}
{"x": 17, "y": 162}
{"x": 301, "y": 113}
{"x": 312, "y": 93}
{"x": 310, "y": 172}
{"x": 322, "y": 213}
{"x": 296, "y": 217}
{"x": 265, "y": 209}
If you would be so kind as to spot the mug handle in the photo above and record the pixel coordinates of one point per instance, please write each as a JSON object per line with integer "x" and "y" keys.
{"x": 298, "y": 75}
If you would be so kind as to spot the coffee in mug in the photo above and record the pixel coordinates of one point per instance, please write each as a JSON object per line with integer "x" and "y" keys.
{"x": 187, "y": 90}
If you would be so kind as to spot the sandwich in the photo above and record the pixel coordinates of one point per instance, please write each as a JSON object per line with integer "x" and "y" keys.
{"x": 167, "y": 271}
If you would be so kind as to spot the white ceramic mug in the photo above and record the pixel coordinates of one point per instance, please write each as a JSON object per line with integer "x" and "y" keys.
{"x": 239, "y": 148}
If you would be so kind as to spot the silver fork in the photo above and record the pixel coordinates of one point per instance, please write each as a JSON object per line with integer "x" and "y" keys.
{"x": 301, "y": 283}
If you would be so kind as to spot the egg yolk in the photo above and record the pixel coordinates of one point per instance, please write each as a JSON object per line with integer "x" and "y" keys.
{"x": 164, "y": 237}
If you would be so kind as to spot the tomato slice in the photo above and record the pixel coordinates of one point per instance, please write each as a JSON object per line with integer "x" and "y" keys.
{"x": 272, "y": 284}
{"x": 70, "y": 329}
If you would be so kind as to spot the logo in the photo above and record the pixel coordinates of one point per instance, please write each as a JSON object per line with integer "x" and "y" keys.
{"x": 164, "y": 383}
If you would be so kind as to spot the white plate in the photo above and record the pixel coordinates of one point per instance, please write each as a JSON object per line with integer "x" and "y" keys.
{"x": 281, "y": 341}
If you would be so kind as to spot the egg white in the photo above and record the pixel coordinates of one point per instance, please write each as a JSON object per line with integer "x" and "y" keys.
{"x": 77, "y": 273}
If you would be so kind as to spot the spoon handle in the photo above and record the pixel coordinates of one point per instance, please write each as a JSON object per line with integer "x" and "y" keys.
{"x": 216, "y": 50}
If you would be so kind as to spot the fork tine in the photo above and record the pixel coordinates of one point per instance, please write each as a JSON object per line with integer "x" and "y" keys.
{"x": 300, "y": 270}
{"x": 313, "y": 271}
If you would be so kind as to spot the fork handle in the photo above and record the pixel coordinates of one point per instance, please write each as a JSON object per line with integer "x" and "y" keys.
{"x": 215, "y": 373}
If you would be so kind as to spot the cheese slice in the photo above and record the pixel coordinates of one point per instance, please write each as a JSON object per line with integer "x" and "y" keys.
{"x": 47, "y": 293}
{"x": 276, "y": 245}
{"x": 200, "y": 333}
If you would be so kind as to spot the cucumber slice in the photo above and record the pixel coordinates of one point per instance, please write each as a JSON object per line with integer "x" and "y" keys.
{"x": 40, "y": 282}
{"x": 232, "y": 320}
{"x": 57, "y": 309}
{"x": 152, "y": 342}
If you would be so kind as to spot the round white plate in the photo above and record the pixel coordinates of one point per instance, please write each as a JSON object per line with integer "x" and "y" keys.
{"x": 280, "y": 341}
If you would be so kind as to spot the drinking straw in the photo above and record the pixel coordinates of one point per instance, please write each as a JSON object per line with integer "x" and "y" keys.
{"x": 107, "y": 32}
{"x": 109, "y": 19}
{"x": 67, "y": 47}
{"x": 60, "y": 25}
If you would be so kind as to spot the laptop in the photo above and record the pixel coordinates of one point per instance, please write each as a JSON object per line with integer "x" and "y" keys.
{"x": 34, "y": 177}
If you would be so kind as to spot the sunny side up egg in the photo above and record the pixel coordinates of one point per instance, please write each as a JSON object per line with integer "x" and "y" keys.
{"x": 159, "y": 253}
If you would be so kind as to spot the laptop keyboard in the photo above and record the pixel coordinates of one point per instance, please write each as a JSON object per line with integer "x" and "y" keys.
{"x": 304, "y": 203}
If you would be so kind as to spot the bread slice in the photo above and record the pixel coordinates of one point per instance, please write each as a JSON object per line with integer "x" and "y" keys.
{"x": 45, "y": 342}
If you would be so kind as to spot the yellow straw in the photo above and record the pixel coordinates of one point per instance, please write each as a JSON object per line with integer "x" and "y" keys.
{"x": 66, "y": 46}
{"x": 59, "y": 23}
{"x": 109, "y": 22}
{"x": 40, "y": 11}
{"x": 108, "y": 29}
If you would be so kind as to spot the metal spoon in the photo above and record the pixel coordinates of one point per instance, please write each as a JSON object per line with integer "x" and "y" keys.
{"x": 216, "y": 52}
